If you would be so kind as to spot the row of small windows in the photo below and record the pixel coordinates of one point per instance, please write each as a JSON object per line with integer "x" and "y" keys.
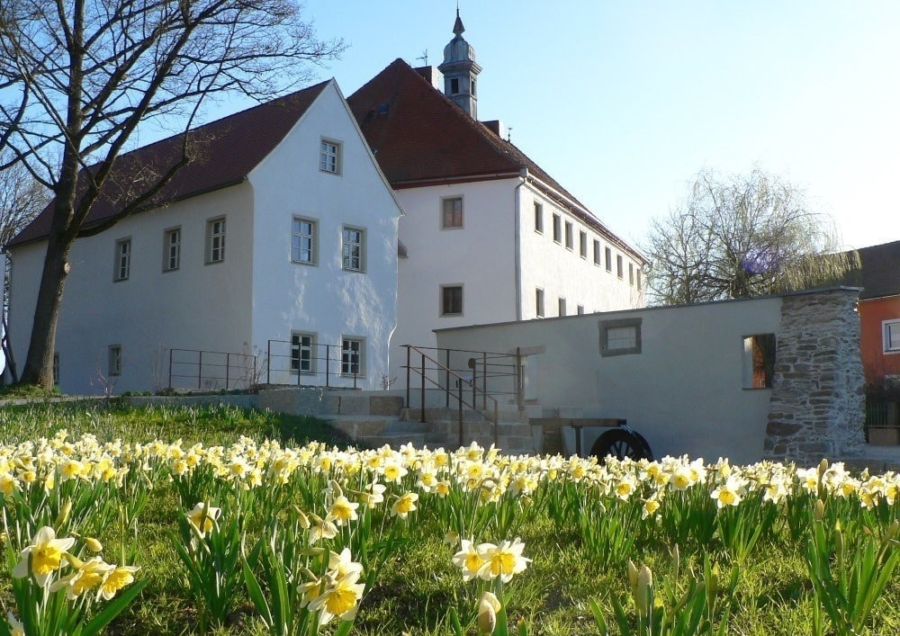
{"x": 634, "y": 274}
{"x": 561, "y": 305}
{"x": 306, "y": 354}
{"x": 304, "y": 247}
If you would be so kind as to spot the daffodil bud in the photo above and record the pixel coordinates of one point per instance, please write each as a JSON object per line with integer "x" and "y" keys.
{"x": 839, "y": 546}
{"x": 64, "y": 513}
{"x": 632, "y": 576}
{"x": 823, "y": 466}
{"x": 713, "y": 582}
{"x": 644, "y": 589}
{"x": 93, "y": 544}
{"x": 302, "y": 519}
{"x": 819, "y": 510}
{"x": 488, "y": 607}
{"x": 73, "y": 560}
{"x": 335, "y": 488}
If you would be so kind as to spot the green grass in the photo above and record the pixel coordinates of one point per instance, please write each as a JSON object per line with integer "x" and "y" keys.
{"x": 418, "y": 586}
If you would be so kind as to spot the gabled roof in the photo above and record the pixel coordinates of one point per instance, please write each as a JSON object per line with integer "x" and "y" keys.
{"x": 879, "y": 274}
{"x": 229, "y": 149}
{"x": 420, "y": 137}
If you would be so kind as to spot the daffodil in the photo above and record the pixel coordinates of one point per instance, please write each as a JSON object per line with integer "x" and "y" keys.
{"x": 342, "y": 511}
{"x": 118, "y": 578}
{"x": 468, "y": 560}
{"x": 488, "y": 606}
{"x": 340, "y": 598}
{"x": 502, "y": 560}
{"x": 88, "y": 575}
{"x": 404, "y": 505}
{"x": 16, "y": 628}
{"x": 203, "y": 517}
{"x": 43, "y": 556}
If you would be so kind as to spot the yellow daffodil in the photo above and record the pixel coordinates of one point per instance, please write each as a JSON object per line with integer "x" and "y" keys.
{"x": 87, "y": 576}
{"x": 342, "y": 511}
{"x": 118, "y": 578}
{"x": 43, "y": 556}
{"x": 16, "y": 628}
{"x": 404, "y": 505}
{"x": 339, "y": 599}
{"x": 502, "y": 560}
{"x": 203, "y": 517}
{"x": 468, "y": 560}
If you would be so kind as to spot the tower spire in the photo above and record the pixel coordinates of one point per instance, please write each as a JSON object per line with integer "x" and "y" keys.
{"x": 460, "y": 69}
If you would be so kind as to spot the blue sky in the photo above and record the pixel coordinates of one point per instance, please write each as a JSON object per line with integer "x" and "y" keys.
{"x": 623, "y": 102}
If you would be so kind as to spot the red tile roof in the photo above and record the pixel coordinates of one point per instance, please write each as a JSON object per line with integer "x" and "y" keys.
{"x": 420, "y": 137}
{"x": 230, "y": 148}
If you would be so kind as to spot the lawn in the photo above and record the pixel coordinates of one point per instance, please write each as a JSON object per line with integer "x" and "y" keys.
{"x": 244, "y": 522}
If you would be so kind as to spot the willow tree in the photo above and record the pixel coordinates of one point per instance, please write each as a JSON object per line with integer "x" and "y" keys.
{"x": 79, "y": 77}
{"x": 738, "y": 236}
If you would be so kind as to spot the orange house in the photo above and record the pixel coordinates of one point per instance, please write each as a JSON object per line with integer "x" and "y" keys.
{"x": 879, "y": 312}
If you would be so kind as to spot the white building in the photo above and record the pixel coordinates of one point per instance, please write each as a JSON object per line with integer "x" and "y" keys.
{"x": 488, "y": 236}
{"x": 285, "y": 230}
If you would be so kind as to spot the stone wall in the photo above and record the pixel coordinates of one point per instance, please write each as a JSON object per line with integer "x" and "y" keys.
{"x": 817, "y": 407}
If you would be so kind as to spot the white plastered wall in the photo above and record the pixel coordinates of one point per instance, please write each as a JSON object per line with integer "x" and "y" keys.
{"x": 683, "y": 391}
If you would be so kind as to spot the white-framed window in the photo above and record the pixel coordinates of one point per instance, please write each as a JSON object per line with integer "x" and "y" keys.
{"x": 538, "y": 218}
{"x": 582, "y": 244}
{"x": 353, "y": 356}
{"x": 303, "y": 352}
{"x": 620, "y": 269}
{"x": 608, "y": 254}
{"x": 451, "y": 212}
{"x": 539, "y": 302}
{"x": 171, "y": 249}
{"x": 557, "y": 228}
{"x": 215, "y": 240}
{"x": 596, "y": 252}
{"x": 562, "y": 306}
{"x": 569, "y": 239}
{"x": 891, "y": 329}
{"x": 330, "y": 156}
{"x": 620, "y": 337}
{"x": 122, "y": 268}
{"x": 759, "y": 360}
{"x": 114, "y": 367}
{"x": 353, "y": 249}
{"x": 304, "y": 241}
{"x": 451, "y": 300}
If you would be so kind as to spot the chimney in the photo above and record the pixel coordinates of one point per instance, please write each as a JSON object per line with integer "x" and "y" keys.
{"x": 432, "y": 75}
{"x": 496, "y": 126}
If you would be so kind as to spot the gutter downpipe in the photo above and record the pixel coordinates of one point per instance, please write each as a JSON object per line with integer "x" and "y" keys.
{"x": 523, "y": 178}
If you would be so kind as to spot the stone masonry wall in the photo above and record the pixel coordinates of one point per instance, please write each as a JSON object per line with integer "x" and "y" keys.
{"x": 817, "y": 408}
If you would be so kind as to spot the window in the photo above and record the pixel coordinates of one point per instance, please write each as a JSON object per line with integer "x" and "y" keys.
{"x": 580, "y": 310}
{"x": 538, "y": 218}
{"x": 114, "y": 367}
{"x": 172, "y": 249}
{"x": 330, "y": 157}
{"x": 562, "y": 306}
{"x": 123, "y": 260}
{"x": 596, "y": 252}
{"x": 582, "y": 244}
{"x": 451, "y": 300}
{"x": 608, "y": 252}
{"x": 759, "y": 361}
{"x": 353, "y": 249}
{"x": 557, "y": 228}
{"x": 303, "y": 241}
{"x": 620, "y": 337}
{"x": 619, "y": 269}
{"x": 451, "y": 212}
{"x": 891, "y": 336}
{"x": 539, "y": 303}
{"x": 303, "y": 359}
{"x": 454, "y": 86}
{"x": 639, "y": 284}
{"x": 56, "y": 369}
{"x": 352, "y": 356}
{"x": 215, "y": 240}
{"x": 568, "y": 235}
{"x": 631, "y": 274}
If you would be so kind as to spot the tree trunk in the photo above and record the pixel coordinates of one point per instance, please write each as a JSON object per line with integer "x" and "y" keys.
{"x": 38, "y": 368}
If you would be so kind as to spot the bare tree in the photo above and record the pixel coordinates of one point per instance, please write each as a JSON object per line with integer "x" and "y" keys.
{"x": 77, "y": 78}
{"x": 21, "y": 199}
{"x": 739, "y": 236}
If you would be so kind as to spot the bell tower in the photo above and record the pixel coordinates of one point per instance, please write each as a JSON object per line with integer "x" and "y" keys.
{"x": 460, "y": 70}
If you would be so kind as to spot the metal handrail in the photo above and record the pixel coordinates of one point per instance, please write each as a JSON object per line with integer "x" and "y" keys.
{"x": 328, "y": 359}
{"x": 201, "y": 364}
{"x": 461, "y": 401}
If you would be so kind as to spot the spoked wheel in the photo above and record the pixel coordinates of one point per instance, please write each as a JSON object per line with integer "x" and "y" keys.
{"x": 621, "y": 443}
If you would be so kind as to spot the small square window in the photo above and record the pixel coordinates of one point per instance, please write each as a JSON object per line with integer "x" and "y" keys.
{"x": 608, "y": 254}
{"x": 891, "y": 336}
{"x": 304, "y": 235}
{"x": 353, "y": 249}
{"x": 562, "y": 306}
{"x": 172, "y": 249}
{"x": 538, "y": 218}
{"x": 539, "y": 303}
{"x": 619, "y": 267}
{"x": 303, "y": 359}
{"x": 123, "y": 260}
{"x": 353, "y": 356}
{"x": 557, "y": 228}
{"x": 620, "y": 337}
{"x": 215, "y": 240}
{"x": 451, "y": 300}
{"x": 596, "y": 252}
{"x": 569, "y": 238}
{"x": 452, "y": 212}
{"x": 759, "y": 361}
{"x": 114, "y": 367}
{"x": 582, "y": 244}
{"x": 330, "y": 157}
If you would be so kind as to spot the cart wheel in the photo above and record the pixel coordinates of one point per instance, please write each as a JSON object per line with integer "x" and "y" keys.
{"x": 621, "y": 443}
